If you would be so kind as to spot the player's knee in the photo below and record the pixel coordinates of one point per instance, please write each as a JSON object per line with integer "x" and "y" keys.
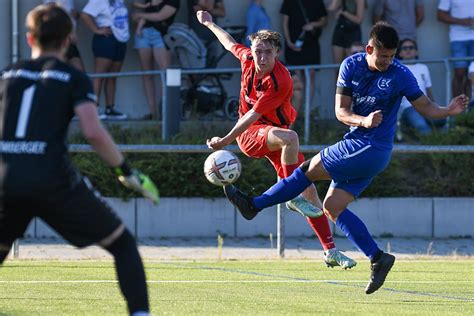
{"x": 332, "y": 208}
{"x": 123, "y": 244}
{"x": 291, "y": 138}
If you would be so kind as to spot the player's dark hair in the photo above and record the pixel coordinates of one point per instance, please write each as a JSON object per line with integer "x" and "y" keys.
{"x": 383, "y": 35}
{"x": 49, "y": 26}
{"x": 272, "y": 37}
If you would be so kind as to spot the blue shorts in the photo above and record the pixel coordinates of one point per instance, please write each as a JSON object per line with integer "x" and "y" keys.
{"x": 151, "y": 38}
{"x": 353, "y": 163}
{"x": 462, "y": 49}
{"x": 108, "y": 47}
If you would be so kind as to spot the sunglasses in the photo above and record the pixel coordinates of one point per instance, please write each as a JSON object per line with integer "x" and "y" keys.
{"x": 411, "y": 47}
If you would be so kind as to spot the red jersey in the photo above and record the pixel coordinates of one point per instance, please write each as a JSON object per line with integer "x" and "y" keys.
{"x": 269, "y": 96}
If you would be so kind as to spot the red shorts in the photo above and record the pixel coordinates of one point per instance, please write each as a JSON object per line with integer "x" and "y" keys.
{"x": 253, "y": 143}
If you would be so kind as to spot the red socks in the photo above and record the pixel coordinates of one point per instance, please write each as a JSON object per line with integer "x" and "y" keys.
{"x": 288, "y": 169}
{"x": 321, "y": 227}
{"x": 320, "y": 224}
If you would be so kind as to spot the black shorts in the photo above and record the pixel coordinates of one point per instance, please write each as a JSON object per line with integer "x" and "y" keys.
{"x": 72, "y": 52}
{"x": 344, "y": 36}
{"x": 309, "y": 55}
{"x": 79, "y": 215}
{"x": 108, "y": 47}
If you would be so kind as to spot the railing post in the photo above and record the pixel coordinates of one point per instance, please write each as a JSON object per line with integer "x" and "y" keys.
{"x": 307, "y": 105}
{"x": 172, "y": 110}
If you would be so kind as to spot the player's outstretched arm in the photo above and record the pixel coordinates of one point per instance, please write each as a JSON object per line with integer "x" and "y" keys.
{"x": 431, "y": 110}
{"x": 106, "y": 148}
{"x": 205, "y": 18}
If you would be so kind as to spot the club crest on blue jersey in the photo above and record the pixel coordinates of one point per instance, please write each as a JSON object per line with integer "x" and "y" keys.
{"x": 383, "y": 83}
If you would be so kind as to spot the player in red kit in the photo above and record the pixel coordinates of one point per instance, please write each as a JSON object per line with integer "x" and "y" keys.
{"x": 265, "y": 115}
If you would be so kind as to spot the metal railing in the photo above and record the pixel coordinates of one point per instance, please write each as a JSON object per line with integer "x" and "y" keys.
{"x": 306, "y": 69}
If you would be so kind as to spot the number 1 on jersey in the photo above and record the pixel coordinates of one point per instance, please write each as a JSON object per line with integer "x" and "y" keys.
{"x": 25, "y": 109}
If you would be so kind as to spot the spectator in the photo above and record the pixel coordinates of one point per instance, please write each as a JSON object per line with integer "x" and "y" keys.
{"x": 404, "y": 15}
{"x": 350, "y": 14}
{"x": 152, "y": 26}
{"x": 257, "y": 19}
{"x": 73, "y": 57}
{"x": 217, "y": 10}
{"x": 108, "y": 20}
{"x": 302, "y": 22}
{"x": 407, "y": 114}
{"x": 357, "y": 47}
{"x": 459, "y": 14}
{"x": 471, "y": 77}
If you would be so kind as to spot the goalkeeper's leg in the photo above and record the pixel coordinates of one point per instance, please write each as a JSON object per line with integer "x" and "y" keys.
{"x": 4, "y": 251}
{"x": 130, "y": 272}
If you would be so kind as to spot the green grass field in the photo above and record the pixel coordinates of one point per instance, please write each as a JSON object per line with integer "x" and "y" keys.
{"x": 426, "y": 287}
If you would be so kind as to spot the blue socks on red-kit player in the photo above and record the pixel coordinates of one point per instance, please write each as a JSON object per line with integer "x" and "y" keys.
{"x": 357, "y": 232}
{"x": 284, "y": 190}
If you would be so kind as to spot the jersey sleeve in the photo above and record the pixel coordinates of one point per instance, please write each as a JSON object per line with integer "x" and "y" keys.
{"x": 82, "y": 90}
{"x": 410, "y": 88}
{"x": 94, "y": 7}
{"x": 241, "y": 52}
{"x": 344, "y": 79}
{"x": 272, "y": 98}
{"x": 444, "y": 5}
{"x": 426, "y": 74}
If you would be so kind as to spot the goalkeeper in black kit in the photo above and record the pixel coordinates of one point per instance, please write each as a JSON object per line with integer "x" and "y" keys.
{"x": 38, "y": 98}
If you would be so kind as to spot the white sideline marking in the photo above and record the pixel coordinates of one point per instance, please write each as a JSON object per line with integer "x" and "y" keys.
{"x": 227, "y": 281}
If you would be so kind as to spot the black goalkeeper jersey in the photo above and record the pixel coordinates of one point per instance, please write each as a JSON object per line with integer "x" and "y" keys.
{"x": 37, "y": 100}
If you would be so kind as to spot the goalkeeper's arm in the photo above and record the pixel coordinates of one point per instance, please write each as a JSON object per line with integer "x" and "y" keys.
{"x": 106, "y": 148}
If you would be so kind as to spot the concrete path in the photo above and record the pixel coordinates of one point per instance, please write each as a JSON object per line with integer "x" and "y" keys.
{"x": 250, "y": 248}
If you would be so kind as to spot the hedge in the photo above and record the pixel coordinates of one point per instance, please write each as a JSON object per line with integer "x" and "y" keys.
{"x": 181, "y": 175}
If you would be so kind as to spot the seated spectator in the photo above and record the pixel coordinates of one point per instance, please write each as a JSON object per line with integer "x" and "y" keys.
{"x": 108, "y": 20}
{"x": 404, "y": 15}
{"x": 73, "y": 57}
{"x": 459, "y": 14}
{"x": 407, "y": 114}
{"x": 349, "y": 14}
{"x": 152, "y": 25}
{"x": 217, "y": 9}
{"x": 257, "y": 19}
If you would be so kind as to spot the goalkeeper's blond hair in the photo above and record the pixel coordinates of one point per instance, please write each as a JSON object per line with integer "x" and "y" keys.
{"x": 269, "y": 36}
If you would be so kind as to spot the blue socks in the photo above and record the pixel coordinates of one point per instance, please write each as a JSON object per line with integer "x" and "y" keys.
{"x": 357, "y": 232}
{"x": 284, "y": 190}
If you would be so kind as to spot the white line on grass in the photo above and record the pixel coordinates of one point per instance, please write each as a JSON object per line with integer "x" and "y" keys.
{"x": 230, "y": 281}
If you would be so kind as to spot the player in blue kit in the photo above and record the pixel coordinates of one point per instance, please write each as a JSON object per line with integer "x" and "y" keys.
{"x": 369, "y": 90}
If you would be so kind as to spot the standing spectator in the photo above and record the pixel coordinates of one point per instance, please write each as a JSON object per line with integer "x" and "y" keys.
{"x": 459, "y": 14}
{"x": 404, "y": 15}
{"x": 108, "y": 20}
{"x": 73, "y": 57}
{"x": 217, "y": 10}
{"x": 350, "y": 14}
{"x": 408, "y": 115}
{"x": 356, "y": 47}
{"x": 471, "y": 77}
{"x": 257, "y": 19}
{"x": 302, "y": 22}
{"x": 155, "y": 20}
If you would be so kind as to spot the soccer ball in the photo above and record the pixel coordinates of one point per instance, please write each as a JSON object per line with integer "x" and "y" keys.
{"x": 222, "y": 167}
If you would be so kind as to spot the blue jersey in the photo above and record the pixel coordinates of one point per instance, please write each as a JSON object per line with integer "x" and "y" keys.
{"x": 375, "y": 90}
